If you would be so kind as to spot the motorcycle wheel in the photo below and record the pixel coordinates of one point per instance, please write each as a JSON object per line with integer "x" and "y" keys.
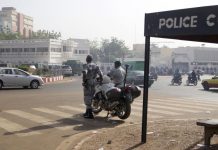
{"x": 172, "y": 82}
{"x": 96, "y": 108}
{"x": 125, "y": 110}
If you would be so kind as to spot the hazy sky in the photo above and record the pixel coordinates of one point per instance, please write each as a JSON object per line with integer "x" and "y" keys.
{"x": 96, "y": 19}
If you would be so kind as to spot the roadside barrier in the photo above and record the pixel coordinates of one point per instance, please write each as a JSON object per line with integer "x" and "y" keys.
{"x": 52, "y": 79}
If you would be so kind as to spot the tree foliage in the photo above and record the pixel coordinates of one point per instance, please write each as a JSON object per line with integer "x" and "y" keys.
{"x": 45, "y": 34}
{"x": 108, "y": 50}
{"x": 9, "y": 36}
{"x": 6, "y": 34}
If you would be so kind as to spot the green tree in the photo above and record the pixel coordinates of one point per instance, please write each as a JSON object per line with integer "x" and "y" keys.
{"x": 94, "y": 50}
{"x": 113, "y": 49}
{"x": 108, "y": 50}
{"x": 9, "y": 36}
{"x": 45, "y": 34}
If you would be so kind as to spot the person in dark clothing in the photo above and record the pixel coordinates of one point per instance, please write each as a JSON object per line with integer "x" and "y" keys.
{"x": 193, "y": 75}
{"x": 177, "y": 75}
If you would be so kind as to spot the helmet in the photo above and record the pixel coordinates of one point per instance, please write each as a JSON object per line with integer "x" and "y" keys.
{"x": 89, "y": 58}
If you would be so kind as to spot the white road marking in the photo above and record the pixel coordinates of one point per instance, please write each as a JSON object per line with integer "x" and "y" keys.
{"x": 16, "y": 129}
{"x": 191, "y": 106}
{"x": 157, "y": 111}
{"x": 38, "y": 119}
{"x": 208, "y": 106}
{"x": 72, "y": 108}
{"x": 54, "y": 112}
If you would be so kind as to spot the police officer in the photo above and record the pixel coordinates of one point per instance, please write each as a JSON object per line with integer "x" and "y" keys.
{"x": 90, "y": 73}
{"x": 117, "y": 74}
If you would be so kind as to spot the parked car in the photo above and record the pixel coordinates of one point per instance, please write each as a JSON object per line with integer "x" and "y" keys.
{"x": 210, "y": 83}
{"x": 13, "y": 77}
{"x": 137, "y": 77}
{"x": 66, "y": 70}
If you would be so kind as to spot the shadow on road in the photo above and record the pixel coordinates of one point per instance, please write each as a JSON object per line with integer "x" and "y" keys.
{"x": 77, "y": 122}
{"x": 210, "y": 90}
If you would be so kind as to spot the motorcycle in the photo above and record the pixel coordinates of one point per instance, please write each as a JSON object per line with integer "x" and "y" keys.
{"x": 191, "y": 80}
{"x": 176, "y": 80}
{"x": 115, "y": 100}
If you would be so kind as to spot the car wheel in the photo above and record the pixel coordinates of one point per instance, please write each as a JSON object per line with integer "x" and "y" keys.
{"x": 206, "y": 86}
{"x": 34, "y": 84}
{"x": 1, "y": 84}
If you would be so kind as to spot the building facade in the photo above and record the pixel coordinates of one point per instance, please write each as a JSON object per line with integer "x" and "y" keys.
{"x": 183, "y": 58}
{"x": 42, "y": 51}
{"x": 189, "y": 58}
{"x": 37, "y": 51}
{"x": 160, "y": 57}
{"x": 15, "y": 22}
{"x": 81, "y": 49}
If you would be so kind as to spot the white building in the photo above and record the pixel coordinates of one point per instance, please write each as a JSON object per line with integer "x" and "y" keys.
{"x": 42, "y": 51}
{"x": 160, "y": 57}
{"x": 46, "y": 51}
{"x": 68, "y": 49}
{"x": 81, "y": 49}
{"x": 189, "y": 58}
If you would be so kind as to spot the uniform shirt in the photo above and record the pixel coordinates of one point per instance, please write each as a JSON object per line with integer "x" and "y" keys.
{"x": 92, "y": 70}
{"x": 117, "y": 75}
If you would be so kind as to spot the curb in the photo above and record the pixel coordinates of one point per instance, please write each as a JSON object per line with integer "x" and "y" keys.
{"x": 75, "y": 142}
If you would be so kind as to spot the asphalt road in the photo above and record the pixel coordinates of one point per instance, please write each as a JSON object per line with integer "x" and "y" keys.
{"x": 41, "y": 119}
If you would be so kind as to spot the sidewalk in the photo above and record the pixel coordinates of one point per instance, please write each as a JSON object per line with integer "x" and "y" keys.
{"x": 161, "y": 135}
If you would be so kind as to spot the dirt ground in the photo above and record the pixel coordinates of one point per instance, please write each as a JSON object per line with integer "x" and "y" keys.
{"x": 162, "y": 135}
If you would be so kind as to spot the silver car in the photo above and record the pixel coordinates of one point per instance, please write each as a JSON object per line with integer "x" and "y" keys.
{"x": 13, "y": 77}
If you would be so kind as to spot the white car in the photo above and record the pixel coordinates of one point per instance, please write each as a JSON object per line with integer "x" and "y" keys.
{"x": 13, "y": 77}
{"x": 66, "y": 70}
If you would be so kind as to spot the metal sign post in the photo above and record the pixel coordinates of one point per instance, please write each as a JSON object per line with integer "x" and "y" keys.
{"x": 145, "y": 93}
{"x": 193, "y": 24}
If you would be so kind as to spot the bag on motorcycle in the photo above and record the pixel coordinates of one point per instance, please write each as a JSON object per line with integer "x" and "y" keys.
{"x": 135, "y": 90}
{"x": 113, "y": 93}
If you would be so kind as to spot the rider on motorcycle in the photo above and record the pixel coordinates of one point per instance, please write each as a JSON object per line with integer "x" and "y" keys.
{"x": 192, "y": 76}
{"x": 117, "y": 74}
{"x": 177, "y": 75}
